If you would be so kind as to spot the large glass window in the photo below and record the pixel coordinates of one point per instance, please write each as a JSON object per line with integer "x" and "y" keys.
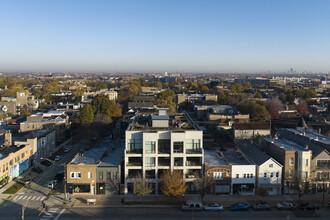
{"x": 323, "y": 164}
{"x": 193, "y": 146}
{"x": 135, "y": 146}
{"x": 164, "y": 146}
{"x": 150, "y": 146}
{"x": 291, "y": 161}
{"x": 150, "y": 161}
{"x": 178, "y": 147}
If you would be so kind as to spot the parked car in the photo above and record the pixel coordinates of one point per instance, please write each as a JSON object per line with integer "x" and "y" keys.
{"x": 58, "y": 157}
{"x": 239, "y": 207}
{"x": 67, "y": 149}
{"x": 309, "y": 206}
{"x": 213, "y": 207}
{"x": 262, "y": 206}
{"x": 192, "y": 206}
{"x": 285, "y": 206}
{"x": 59, "y": 176}
{"x": 37, "y": 170}
{"x": 46, "y": 163}
{"x": 52, "y": 183}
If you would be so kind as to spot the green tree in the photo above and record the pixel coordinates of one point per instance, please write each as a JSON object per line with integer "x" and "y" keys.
{"x": 78, "y": 93}
{"x": 258, "y": 95}
{"x": 259, "y": 113}
{"x": 86, "y": 115}
{"x": 100, "y": 104}
{"x": 114, "y": 110}
{"x": 282, "y": 97}
{"x": 141, "y": 186}
{"x": 193, "y": 86}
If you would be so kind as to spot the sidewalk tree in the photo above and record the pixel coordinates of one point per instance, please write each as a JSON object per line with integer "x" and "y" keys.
{"x": 141, "y": 186}
{"x": 114, "y": 110}
{"x": 86, "y": 115}
{"x": 203, "y": 183}
{"x": 172, "y": 183}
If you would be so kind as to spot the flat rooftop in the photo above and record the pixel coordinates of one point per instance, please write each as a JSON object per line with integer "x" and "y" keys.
{"x": 235, "y": 158}
{"x": 212, "y": 159}
{"x": 5, "y": 151}
{"x": 311, "y": 135}
{"x": 285, "y": 144}
{"x": 177, "y": 122}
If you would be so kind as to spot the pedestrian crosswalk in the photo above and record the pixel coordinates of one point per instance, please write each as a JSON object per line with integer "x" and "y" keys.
{"x": 49, "y": 214}
{"x": 35, "y": 198}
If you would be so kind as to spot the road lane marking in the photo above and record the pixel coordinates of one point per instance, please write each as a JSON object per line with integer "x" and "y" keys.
{"x": 20, "y": 197}
{"x": 38, "y": 198}
{"x": 24, "y": 197}
{"x": 57, "y": 217}
{"x": 42, "y": 198}
{"x": 29, "y": 197}
{"x": 15, "y": 198}
{"x": 33, "y": 197}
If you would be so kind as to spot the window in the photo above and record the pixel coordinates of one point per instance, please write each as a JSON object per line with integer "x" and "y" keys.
{"x": 89, "y": 175}
{"x": 108, "y": 175}
{"x": 150, "y": 161}
{"x": 291, "y": 173}
{"x": 4, "y": 168}
{"x": 193, "y": 146}
{"x": 265, "y": 175}
{"x": 323, "y": 164}
{"x": 101, "y": 175}
{"x": 247, "y": 175}
{"x": 23, "y": 155}
{"x": 305, "y": 174}
{"x": 271, "y": 174}
{"x": 237, "y": 175}
{"x": 306, "y": 162}
{"x": 164, "y": 146}
{"x": 135, "y": 146}
{"x": 178, "y": 147}
{"x": 178, "y": 161}
{"x": 218, "y": 175}
{"x": 251, "y": 175}
{"x": 150, "y": 146}
{"x": 16, "y": 159}
{"x": 115, "y": 175}
{"x": 244, "y": 175}
{"x": 227, "y": 173}
{"x": 11, "y": 162}
{"x": 271, "y": 165}
{"x": 277, "y": 174}
{"x": 75, "y": 175}
{"x": 291, "y": 161}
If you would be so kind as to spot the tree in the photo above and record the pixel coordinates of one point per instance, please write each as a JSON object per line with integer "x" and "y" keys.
{"x": 141, "y": 186}
{"x": 203, "y": 183}
{"x": 282, "y": 97}
{"x": 114, "y": 110}
{"x": 78, "y": 93}
{"x": 274, "y": 106}
{"x": 259, "y": 112}
{"x": 236, "y": 88}
{"x": 100, "y": 104}
{"x": 86, "y": 115}
{"x": 302, "y": 108}
{"x": 262, "y": 192}
{"x": 193, "y": 86}
{"x": 258, "y": 95}
{"x": 204, "y": 89}
{"x": 172, "y": 184}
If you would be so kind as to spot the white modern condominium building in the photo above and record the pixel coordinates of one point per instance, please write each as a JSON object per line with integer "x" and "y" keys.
{"x": 155, "y": 143}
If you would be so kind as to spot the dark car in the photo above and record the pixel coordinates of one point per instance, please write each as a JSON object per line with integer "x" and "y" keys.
{"x": 37, "y": 170}
{"x": 46, "y": 163}
{"x": 59, "y": 176}
{"x": 239, "y": 207}
{"x": 285, "y": 206}
{"x": 262, "y": 206}
{"x": 309, "y": 206}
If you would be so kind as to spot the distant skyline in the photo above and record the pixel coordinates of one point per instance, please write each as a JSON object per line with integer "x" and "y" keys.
{"x": 214, "y": 36}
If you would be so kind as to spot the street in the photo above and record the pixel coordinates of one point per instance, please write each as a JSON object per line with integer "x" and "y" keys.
{"x": 132, "y": 213}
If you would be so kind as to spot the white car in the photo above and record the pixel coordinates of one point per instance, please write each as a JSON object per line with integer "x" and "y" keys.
{"x": 67, "y": 149}
{"x": 213, "y": 207}
{"x": 58, "y": 157}
{"x": 51, "y": 184}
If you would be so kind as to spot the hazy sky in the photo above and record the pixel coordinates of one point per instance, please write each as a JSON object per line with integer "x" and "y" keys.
{"x": 164, "y": 35}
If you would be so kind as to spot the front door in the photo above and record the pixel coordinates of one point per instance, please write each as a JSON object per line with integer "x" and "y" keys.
{"x": 100, "y": 188}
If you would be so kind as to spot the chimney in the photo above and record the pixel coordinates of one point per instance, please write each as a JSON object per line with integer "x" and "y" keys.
{"x": 8, "y": 138}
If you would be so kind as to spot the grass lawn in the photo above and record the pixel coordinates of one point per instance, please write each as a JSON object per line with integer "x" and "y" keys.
{"x": 13, "y": 189}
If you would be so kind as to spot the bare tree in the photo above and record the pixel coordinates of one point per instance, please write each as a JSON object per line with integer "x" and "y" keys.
{"x": 273, "y": 106}
{"x": 172, "y": 184}
{"x": 203, "y": 183}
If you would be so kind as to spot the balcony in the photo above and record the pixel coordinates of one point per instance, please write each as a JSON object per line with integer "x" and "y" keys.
{"x": 134, "y": 161}
{"x": 178, "y": 147}
{"x": 150, "y": 174}
{"x": 194, "y": 161}
{"x": 164, "y": 146}
{"x": 134, "y": 151}
{"x": 192, "y": 173}
{"x": 164, "y": 161}
{"x": 178, "y": 161}
{"x": 194, "y": 151}
{"x": 133, "y": 173}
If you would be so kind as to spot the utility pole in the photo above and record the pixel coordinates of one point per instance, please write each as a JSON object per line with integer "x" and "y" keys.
{"x": 65, "y": 176}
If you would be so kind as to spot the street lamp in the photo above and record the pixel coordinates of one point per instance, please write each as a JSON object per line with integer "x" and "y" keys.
{"x": 64, "y": 165}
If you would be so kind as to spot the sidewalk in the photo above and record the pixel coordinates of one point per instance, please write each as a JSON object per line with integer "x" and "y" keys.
{"x": 163, "y": 201}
